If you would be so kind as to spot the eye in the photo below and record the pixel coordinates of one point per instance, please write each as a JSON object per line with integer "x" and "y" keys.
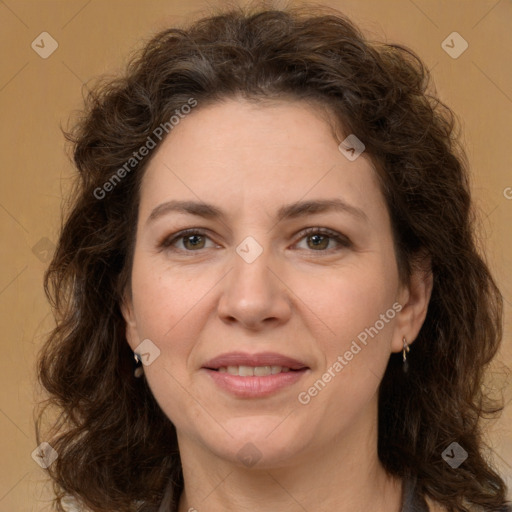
{"x": 321, "y": 237}
{"x": 193, "y": 239}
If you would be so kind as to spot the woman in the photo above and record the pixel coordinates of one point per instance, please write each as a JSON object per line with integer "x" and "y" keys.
{"x": 273, "y": 220}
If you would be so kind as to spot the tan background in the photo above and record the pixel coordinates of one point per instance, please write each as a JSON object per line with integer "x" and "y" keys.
{"x": 37, "y": 96}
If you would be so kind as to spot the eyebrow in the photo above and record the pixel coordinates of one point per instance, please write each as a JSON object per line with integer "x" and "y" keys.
{"x": 289, "y": 211}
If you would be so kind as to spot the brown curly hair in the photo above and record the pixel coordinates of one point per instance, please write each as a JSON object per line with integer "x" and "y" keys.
{"x": 116, "y": 448}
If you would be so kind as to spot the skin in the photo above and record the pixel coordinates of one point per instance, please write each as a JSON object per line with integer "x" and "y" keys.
{"x": 296, "y": 299}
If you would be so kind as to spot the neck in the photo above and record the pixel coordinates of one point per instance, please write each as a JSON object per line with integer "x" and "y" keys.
{"x": 344, "y": 474}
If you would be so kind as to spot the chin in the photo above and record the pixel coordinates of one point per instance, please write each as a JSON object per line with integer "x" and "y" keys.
{"x": 259, "y": 442}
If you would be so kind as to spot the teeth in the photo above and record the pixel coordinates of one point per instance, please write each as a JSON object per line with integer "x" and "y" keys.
{"x": 250, "y": 371}
{"x": 259, "y": 371}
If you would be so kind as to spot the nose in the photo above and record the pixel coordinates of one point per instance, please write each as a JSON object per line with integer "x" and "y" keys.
{"x": 254, "y": 294}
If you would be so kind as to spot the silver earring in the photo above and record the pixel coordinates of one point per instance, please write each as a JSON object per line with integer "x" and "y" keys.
{"x": 138, "y": 366}
{"x": 404, "y": 357}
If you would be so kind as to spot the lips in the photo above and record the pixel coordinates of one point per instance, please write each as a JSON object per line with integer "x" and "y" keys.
{"x": 254, "y": 375}
{"x": 237, "y": 359}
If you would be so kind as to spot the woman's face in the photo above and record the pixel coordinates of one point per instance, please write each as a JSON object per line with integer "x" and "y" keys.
{"x": 251, "y": 287}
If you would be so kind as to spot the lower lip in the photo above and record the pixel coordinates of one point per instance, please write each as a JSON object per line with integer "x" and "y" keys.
{"x": 255, "y": 387}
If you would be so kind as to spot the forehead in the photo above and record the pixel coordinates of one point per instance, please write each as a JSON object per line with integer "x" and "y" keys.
{"x": 257, "y": 153}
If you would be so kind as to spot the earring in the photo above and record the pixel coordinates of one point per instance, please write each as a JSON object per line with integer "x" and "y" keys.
{"x": 404, "y": 357}
{"x": 138, "y": 366}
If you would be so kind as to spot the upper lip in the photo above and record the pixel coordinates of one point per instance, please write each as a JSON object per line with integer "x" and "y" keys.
{"x": 245, "y": 359}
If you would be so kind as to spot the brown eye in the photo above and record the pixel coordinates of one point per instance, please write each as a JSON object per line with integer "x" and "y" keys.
{"x": 195, "y": 241}
{"x": 318, "y": 239}
{"x": 191, "y": 240}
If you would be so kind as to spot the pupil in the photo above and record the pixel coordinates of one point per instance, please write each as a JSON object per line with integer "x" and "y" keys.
{"x": 193, "y": 237}
{"x": 318, "y": 238}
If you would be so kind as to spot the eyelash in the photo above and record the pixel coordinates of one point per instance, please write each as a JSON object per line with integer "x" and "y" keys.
{"x": 167, "y": 242}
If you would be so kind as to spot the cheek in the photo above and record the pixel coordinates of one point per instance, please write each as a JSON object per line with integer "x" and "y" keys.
{"x": 165, "y": 301}
{"x": 350, "y": 299}
{"x": 166, "y": 305}
{"x": 337, "y": 305}
{"x": 355, "y": 317}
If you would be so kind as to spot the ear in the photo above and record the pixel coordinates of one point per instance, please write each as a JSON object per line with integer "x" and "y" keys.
{"x": 414, "y": 299}
{"x": 128, "y": 313}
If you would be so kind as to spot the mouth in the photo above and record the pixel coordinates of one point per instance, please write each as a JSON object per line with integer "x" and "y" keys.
{"x": 254, "y": 371}
{"x": 267, "y": 362}
{"x": 254, "y": 375}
